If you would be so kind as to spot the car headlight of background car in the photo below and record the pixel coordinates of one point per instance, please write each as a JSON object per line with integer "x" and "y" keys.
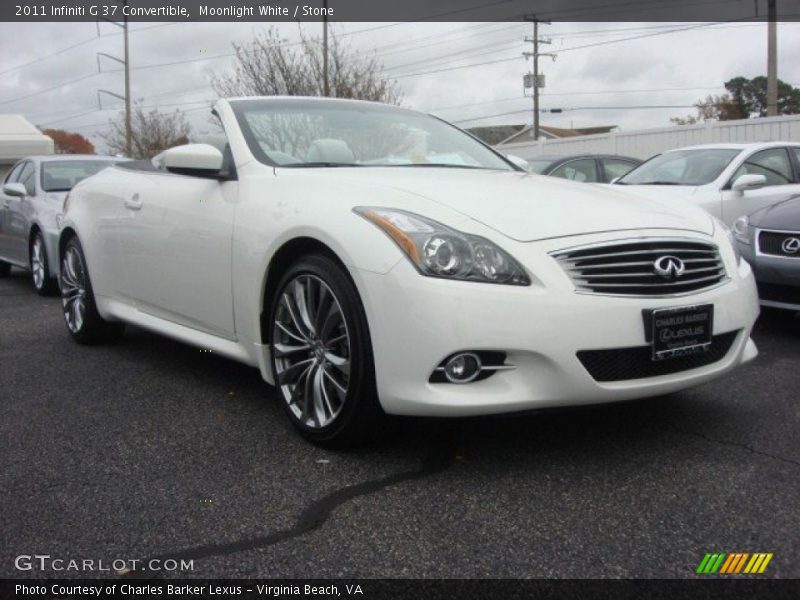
{"x": 439, "y": 251}
{"x": 731, "y": 239}
{"x": 740, "y": 229}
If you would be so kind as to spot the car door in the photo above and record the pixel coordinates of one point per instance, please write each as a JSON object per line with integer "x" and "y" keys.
{"x": 19, "y": 212}
{"x": 782, "y": 183}
{"x": 176, "y": 244}
{"x": 7, "y": 201}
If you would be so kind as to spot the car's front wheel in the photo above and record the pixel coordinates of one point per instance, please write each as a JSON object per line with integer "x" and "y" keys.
{"x": 77, "y": 299}
{"x": 322, "y": 355}
{"x": 40, "y": 267}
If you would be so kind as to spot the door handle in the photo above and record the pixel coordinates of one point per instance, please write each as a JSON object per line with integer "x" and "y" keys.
{"x": 134, "y": 203}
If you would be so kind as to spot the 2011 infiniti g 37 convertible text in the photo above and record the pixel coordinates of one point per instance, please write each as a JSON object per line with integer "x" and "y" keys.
{"x": 372, "y": 260}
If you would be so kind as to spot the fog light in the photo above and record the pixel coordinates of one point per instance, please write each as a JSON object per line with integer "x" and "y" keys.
{"x": 462, "y": 368}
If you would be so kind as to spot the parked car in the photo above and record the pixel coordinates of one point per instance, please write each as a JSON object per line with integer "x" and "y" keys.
{"x": 769, "y": 240}
{"x": 727, "y": 180}
{"x": 373, "y": 260}
{"x": 31, "y": 197}
{"x": 586, "y": 168}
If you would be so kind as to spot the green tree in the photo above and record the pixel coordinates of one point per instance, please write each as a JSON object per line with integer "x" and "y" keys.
{"x": 750, "y": 96}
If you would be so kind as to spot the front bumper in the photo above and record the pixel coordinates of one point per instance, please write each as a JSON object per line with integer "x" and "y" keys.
{"x": 416, "y": 322}
{"x": 778, "y": 277}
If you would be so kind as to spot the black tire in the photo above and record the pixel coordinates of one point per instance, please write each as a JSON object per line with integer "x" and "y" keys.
{"x": 359, "y": 417}
{"x": 40, "y": 267}
{"x": 5, "y": 269}
{"x": 76, "y": 286}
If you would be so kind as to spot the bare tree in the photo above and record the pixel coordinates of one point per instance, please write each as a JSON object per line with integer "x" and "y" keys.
{"x": 269, "y": 65}
{"x": 151, "y": 132}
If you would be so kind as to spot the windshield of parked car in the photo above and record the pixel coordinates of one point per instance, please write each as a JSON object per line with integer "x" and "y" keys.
{"x": 61, "y": 176}
{"x": 681, "y": 167}
{"x": 331, "y": 133}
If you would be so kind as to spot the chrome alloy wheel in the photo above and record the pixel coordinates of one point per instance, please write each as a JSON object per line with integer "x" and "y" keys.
{"x": 73, "y": 289}
{"x": 311, "y": 350}
{"x": 38, "y": 262}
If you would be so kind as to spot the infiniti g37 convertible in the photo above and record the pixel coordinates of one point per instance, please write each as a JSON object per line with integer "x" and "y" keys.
{"x": 373, "y": 261}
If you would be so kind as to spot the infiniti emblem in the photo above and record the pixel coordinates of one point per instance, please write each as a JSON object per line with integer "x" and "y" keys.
{"x": 669, "y": 267}
{"x": 791, "y": 245}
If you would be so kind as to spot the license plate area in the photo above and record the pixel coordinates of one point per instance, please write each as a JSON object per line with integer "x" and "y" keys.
{"x": 681, "y": 331}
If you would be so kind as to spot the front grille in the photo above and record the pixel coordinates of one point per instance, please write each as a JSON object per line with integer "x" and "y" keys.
{"x": 771, "y": 242}
{"x": 621, "y": 364}
{"x": 776, "y": 292}
{"x": 629, "y": 268}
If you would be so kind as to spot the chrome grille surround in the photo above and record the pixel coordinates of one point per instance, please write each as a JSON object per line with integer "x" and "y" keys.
{"x": 627, "y": 267}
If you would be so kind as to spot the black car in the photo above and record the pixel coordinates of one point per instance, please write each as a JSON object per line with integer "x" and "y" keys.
{"x": 769, "y": 239}
{"x": 589, "y": 168}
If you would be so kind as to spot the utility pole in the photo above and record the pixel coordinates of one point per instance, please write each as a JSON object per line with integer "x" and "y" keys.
{"x": 537, "y": 79}
{"x": 772, "y": 60}
{"x": 127, "y": 84}
{"x": 125, "y": 62}
{"x": 326, "y": 85}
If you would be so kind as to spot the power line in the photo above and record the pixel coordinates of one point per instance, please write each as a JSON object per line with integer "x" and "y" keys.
{"x": 527, "y": 110}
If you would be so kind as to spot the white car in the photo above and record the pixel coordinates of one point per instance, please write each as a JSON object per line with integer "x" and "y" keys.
{"x": 372, "y": 260}
{"x": 727, "y": 180}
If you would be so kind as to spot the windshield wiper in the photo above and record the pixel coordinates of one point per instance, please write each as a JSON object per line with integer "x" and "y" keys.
{"x": 661, "y": 183}
{"x": 442, "y": 165}
{"x": 320, "y": 164}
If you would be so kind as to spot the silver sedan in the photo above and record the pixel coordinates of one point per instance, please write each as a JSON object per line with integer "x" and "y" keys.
{"x": 32, "y": 195}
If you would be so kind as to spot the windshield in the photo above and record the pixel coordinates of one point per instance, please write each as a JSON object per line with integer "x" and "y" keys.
{"x": 681, "y": 167}
{"x": 538, "y": 166}
{"x": 61, "y": 176}
{"x": 329, "y": 133}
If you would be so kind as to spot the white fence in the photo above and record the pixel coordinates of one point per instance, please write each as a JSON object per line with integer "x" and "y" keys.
{"x": 647, "y": 142}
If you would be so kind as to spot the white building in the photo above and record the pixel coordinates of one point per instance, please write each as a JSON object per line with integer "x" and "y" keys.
{"x": 19, "y": 138}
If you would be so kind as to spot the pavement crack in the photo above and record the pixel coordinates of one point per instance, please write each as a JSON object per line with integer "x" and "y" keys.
{"x": 740, "y": 445}
{"x": 439, "y": 458}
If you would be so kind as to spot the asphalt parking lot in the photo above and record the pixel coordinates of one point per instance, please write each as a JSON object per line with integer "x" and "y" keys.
{"x": 149, "y": 448}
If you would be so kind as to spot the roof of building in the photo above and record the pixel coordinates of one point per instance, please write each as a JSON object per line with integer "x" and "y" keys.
{"x": 19, "y": 138}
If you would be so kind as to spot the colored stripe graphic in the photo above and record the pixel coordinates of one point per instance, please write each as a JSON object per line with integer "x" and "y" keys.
{"x": 734, "y": 563}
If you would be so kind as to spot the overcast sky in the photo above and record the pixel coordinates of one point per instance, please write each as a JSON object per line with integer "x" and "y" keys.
{"x": 676, "y": 67}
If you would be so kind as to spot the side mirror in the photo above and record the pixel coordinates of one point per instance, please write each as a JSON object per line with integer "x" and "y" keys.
{"x": 520, "y": 162}
{"x": 190, "y": 159}
{"x": 615, "y": 180}
{"x": 748, "y": 182}
{"x": 15, "y": 189}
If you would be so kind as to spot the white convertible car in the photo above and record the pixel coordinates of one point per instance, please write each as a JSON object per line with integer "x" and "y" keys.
{"x": 372, "y": 260}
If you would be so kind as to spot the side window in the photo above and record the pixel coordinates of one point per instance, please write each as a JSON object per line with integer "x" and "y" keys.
{"x": 772, "y": 164}
{"x": 584, "y": 170}
{"x": 796, "y": 151}
{"x": 14, "y": 173}
{"x": 26, "y": 178}
{"x": 615, "y": 167}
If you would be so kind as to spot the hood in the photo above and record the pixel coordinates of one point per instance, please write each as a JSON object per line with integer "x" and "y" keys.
{"x": 527, "y": 207}
{"x": 784, "y": 215}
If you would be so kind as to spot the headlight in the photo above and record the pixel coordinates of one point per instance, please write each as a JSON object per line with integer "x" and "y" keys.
{"x": 438, "y": 251}
{"x": 729, "y": 235}
{"x": 740, "y": 229}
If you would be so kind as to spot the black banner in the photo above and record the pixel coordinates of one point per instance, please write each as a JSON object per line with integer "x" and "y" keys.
{"x": 396, "y": 589}
{"x": 393, "y": 11}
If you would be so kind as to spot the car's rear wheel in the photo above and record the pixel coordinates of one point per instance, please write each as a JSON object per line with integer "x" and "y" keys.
{"x": 322, "y": 355}
{"x": 40, "y": 267}
{"x": 77, "y": 299}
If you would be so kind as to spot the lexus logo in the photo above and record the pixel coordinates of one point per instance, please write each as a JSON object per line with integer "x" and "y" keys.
{"x": 791, "y": 245}
{"x": 669, "y": 267}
